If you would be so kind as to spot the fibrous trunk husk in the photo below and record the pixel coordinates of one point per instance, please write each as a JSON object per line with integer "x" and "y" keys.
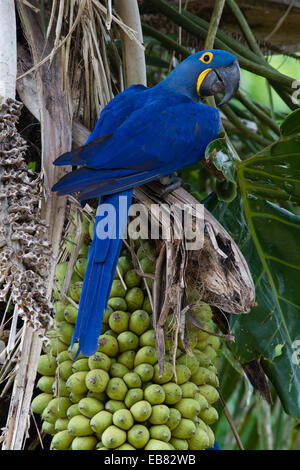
{"x": 24, "y": 245}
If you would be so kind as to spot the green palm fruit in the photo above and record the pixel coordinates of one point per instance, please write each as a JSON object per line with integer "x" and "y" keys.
{"x": 55, "y": 346}
{"x": 146, "y": 250}
{"x": 116, "y": 389}
{"x": 119, "y": 274}
{"x": 80, "y": 365}
{"x": 154, "y": 394}
{"x": 210, "y": 352}
{"x": 99, "y": 361}
{"x": 189, "y": 361}
{"x": 90, "y": 406}
{"x": 147, "y": 306}
{"x": 64, "y": 369}
{"x": 106, "y": 330}
{"x": 70, "y": 314}
{"x": 160, "y": 432}
{"x": 145, "y": 371}
{"x": 80, "y": 426}
{"x": 201, "y": 345}
{"x": 199, "y": 440}
{"x": 211, "y": 436}
{"x": 96, "y": 380}
{"x": 147, "y": 265}
{"x": 132, "y": 380}
{"x": 113, "y": 437}
{"x": 84, "y": 443}
{"x": 204, "y": 361}
{"x": 106, "y": 314}
{"x": 125, "y": 263}
{"x": 127, "y": 340}
{"x": 117, "y": 303}
{"x": 192, "y": 340}
{"x": 148, "y": 338}
{"x": 63, "y": 356}
{"x": 101, "y": 421}
{"x": 139, "y": 322}
{"x": 61, "y": 441}
{"x": 72, "y": 352}
{"x": 108, "y": 345}
{"x": 80, "y": 267}
{"x": 123, "y": 419}
{"x": 76, "y": 383}
{"x": 166, "y": 376}
{"x": 91, "y": 229}
{"x": 185, "y": 429}
{"x": 179, "y": 444}
{"x": 101, "y": 396}
{"x": 118, "y": 370}
{"x": 114, "y": 405}
{"x": 209, "y": 415}
{"x": 174, "y": 419}
{"x": 40, "y": 402}
{"x": 49, "y": 428}
{"x": 125, "y": 446}
{"x": 48, "y": 416}
{"x": 209, "y": 392}
{"x": 73, "y": 410}
{"x": 58, "y": 406}
{"x": 201, "y": 400}
{"x": 173, "y": 393}
{"x": 183, "y": 374}
{"x": 133, "y": 396}
{"x": 155, "y": 444}
{"x": 47, "y": 365}
{"x": 61, "y": 424}
{"x": 202, "y": 335}
{"x": 138, "y": 436}
{"x": 127, "y": 358}
{"x": 59, "y": 308}
{"x": 118, "y": 321}
{"x": 141, "y": 411}
{"x": 134, "y": 298}
{"x": 117, "y": 289}
{"x": 147, "y": 354}
{"x": 74, "y": 290}
{"x": 201, "y": 376}
{"x": 45, "y": 383}
{"x": 160, "y": 414}
{"x": 189, "y": 390}
{"x": 214, "y": 341}
{"x": 188, "y": 407}
{"x": 76, "y": 397}
{"x": 202, "y": 312}
{"x": 132, "y": 279}
{"x": 59, "y": 388}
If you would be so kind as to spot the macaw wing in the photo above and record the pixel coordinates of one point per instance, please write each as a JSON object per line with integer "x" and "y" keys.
{"x": 152, "y": 142}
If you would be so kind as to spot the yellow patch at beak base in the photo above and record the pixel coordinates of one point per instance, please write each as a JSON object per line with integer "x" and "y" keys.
{"x": 201, "y": 78}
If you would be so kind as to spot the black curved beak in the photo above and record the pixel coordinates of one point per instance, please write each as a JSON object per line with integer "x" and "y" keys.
{"x": 221, "y": 79}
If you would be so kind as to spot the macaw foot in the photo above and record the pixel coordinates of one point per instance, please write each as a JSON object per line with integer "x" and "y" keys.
{"x": 173, "y": 182}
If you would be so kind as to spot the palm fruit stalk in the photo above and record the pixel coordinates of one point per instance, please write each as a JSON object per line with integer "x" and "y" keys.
{"x": 117, "y": 398}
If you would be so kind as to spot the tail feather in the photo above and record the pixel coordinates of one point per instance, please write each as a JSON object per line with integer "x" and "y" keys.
{"x": 102, "y": 261}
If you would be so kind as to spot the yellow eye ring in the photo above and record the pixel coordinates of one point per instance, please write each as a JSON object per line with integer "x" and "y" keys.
{"x": 207, "y": 57}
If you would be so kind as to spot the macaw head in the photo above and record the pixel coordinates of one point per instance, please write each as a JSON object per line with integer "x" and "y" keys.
{"x": 206, "y": 73}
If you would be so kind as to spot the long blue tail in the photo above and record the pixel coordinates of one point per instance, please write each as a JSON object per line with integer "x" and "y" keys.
{"x": 111, "y": 220}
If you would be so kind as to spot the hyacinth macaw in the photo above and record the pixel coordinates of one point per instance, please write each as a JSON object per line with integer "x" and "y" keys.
{"x": 142, "y": 135}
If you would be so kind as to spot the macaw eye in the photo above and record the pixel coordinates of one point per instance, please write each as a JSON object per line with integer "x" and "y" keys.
{"x": 206, "y": 58}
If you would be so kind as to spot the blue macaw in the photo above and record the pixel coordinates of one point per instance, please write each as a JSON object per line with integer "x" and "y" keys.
{"x": 142, "y": 135}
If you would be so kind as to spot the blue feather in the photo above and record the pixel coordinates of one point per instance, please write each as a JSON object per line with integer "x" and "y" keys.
{"x": 141, "y": 135}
